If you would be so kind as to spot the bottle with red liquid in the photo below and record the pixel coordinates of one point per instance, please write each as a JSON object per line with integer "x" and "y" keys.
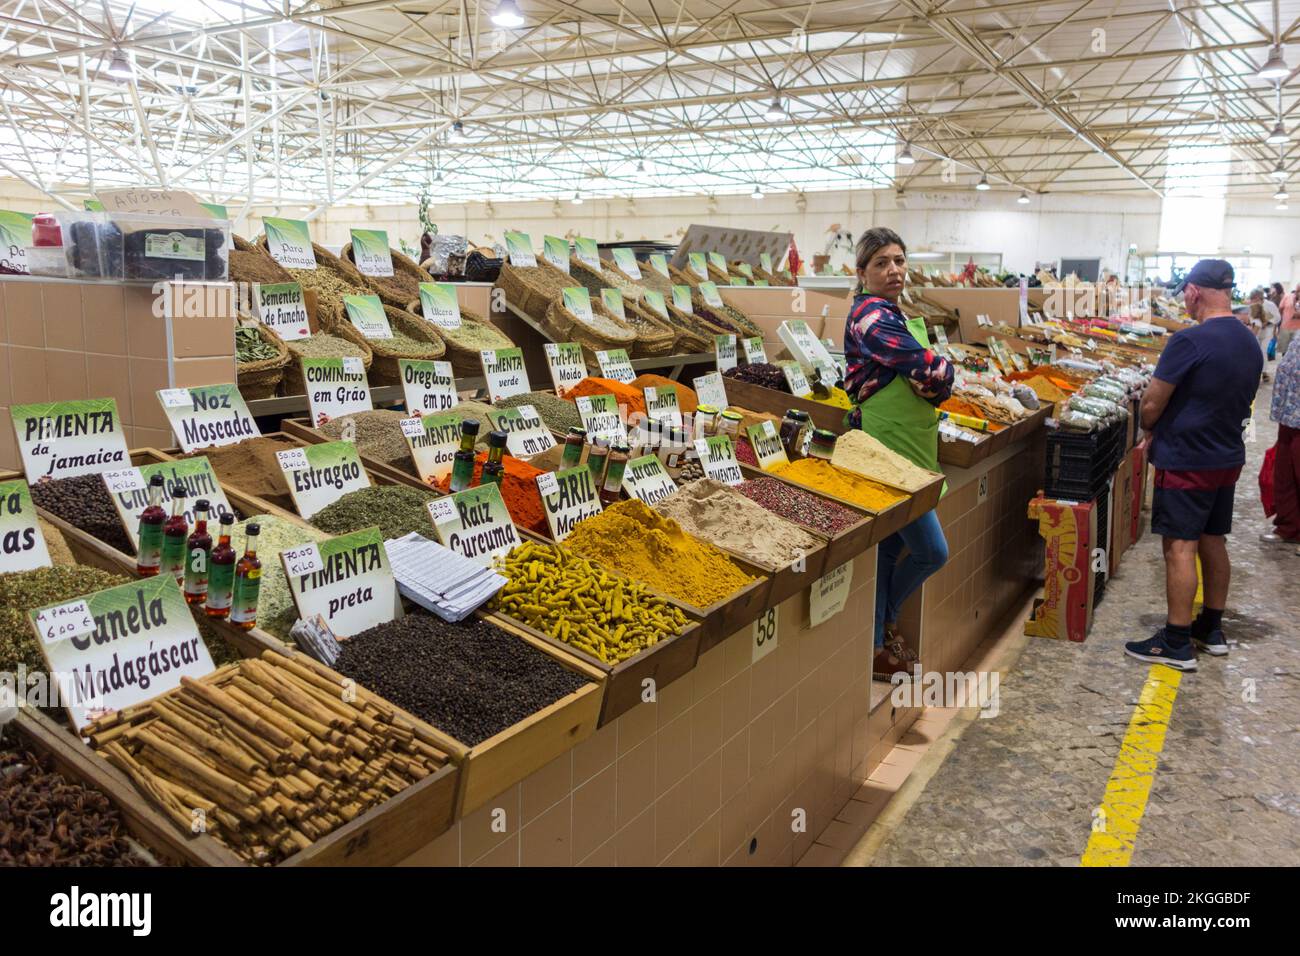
{"x": 175, "y": 533}
{"x": 248, "y": 584}
{"x": 149, "y": 549}
{"x": 197, "y": 552}
{"x": 221, "y": 571}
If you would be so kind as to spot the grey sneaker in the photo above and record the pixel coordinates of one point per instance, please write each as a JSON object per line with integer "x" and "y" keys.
{"x": 1271, "y": 538}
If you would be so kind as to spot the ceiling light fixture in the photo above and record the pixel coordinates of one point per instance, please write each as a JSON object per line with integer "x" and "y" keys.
{"x": 1274, "y": 67}
{"x": 775, "y": 111}
{"x": 577, "y": 199}
{"x": 757, "y": 193}
{"x": 507, "y": 15}
{"x": 458, "y": 134}
{"x": 1023, "y": 198}
{"x": 1278, "y": 137}
{"x": 1281, "y": 195}
{"x": 1281, "y": 207}
{"x": 1279, "y": 172}
{"x": 119, "y": 68}
{"x": 905, "y": 158}
{"x": 640, "y": 165}
{"x": 983, "y": 184}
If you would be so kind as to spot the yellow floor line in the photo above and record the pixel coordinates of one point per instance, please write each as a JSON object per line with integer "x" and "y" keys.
{"x": 1116, "y": 821}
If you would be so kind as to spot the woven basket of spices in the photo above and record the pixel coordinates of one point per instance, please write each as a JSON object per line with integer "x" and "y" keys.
{"x": 253, "y": 264}
{"x": 464, "y": 344}
{"x": 331, "y": 280}
{"x": 603, "y": 332}
{"x": 532, "y": 289}
{"x": 413, "y": 338}
{"x": 399, "y": 288}
{"x": 772, "y": 278}
{"x": 720, "y": 276}
{"x": 730, "y": 320}
{"x": 683, "y": 276}
{"x": 258, "y": 377}
{"x": 654, "y": 336}
{"x": 323, "y": 344}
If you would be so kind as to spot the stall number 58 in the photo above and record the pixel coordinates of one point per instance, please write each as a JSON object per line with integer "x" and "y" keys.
{"x": 764, "y": 635}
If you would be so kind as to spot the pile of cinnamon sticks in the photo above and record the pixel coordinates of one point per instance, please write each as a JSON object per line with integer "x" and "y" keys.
{"x": 267, "y": 755}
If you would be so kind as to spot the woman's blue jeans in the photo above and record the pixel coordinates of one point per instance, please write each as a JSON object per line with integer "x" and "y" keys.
{"x": 927, "y": 552}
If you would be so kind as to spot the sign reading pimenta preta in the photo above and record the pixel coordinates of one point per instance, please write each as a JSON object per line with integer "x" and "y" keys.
{"x": 129, "y": 489}
{"x": 347, "y": 580}
{"x": 22, "y": 546}
{"x": 427, "y": 386}
{"x": 319, "y": 475}
{"x": 433, "y": 440}
{"x": 65, "y": 439}
{"x": 120, "y": 646}
{"x": 335, "y": 387}
{"x": 207, "y": 415}
{"x": 474, "y": 523}
{"x": 505, "y": 372}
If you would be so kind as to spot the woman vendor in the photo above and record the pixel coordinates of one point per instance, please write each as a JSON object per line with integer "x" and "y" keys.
{"x": 896, "y": 382}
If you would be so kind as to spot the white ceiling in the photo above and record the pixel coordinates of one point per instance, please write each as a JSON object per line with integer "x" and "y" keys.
{"x": 328, "y": 102}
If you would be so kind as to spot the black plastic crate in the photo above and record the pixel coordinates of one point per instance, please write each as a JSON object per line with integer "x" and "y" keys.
{"x": 1101, "y": 507}
{"x": 1080, "y": 464}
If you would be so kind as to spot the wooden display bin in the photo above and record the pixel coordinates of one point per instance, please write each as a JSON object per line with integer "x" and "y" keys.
{"x": 964, "y": 454}
{"x": 759, "y": 399}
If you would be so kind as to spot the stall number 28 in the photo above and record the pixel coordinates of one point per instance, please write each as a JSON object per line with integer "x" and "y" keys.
{"x": 764, "y": 635}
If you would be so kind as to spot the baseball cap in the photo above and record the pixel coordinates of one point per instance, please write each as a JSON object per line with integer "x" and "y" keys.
{"x": 1209, "y": 274}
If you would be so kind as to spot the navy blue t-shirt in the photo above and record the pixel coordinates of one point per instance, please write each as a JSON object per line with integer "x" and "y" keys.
{"x": 1215, "y": 368}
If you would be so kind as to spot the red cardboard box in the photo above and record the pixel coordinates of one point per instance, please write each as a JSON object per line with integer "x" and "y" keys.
{"x": 1070, "y": 531}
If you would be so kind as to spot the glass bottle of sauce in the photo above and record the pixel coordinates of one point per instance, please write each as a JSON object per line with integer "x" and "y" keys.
{"x": 571, "y": 457}
{"x": 149, "y": 553}
{"x": 175, "y": 534}
{"x": 198, "y": 550}
{"x": 596, "y": 458}
{"x": 612, "y": 486}
{"x": 493, "y": 468}
{"x": 462, "y": 466}
{"x": 248, "y": 584}
{"x": 794, "y": 428}
{"x": 221, "y": 571}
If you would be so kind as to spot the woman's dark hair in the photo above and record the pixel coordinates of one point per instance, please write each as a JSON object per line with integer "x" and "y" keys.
{"x": 1278, "y": 290}
{"x": 875, "y": 239}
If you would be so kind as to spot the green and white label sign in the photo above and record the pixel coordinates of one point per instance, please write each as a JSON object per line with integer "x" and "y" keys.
{"x": 15, "y": 237}
{"x": 645, "y": 478}
{"x": 129, "y": 489}
{"x": 280, "y": 307}
{"x": 745, "y": 270}
{"x": 64, "y": 439}
{"x": 217, "y": 209}
{"x": 766, "y": 442}
{"x": 22, "y": 546}
{"x": 474, "y": 523}
{"x": 578, "y": 301}
{"x": 587, "y": 252}
{"x": 335, "y": 387}
{"x": 765, "y": 262}
{"x": 566, "y": 363}
{"x": 710, "y": 390}
{"x": 762, "y": 283}
{"x": 699, "y": 264}
{"x": 718, "y": 261}
{"x": 625, "y": 259}
{"x": 319, "y": 475}
{"x": 556, "y": 251}
{"x": 370, "y": 252}
{"x": 612, "y": 299}
{"x": 615, "y": 364}
{"x": 682, "y": 299}
{"x": 173, "y": 245}
{"x": 659, "y": 263}
{"x": 796, "y": 379}
{"x": 434, "y": 441}
{"x": 208, "y": 415}
{"x": 755, "y": 354}
{"x": 724, "y": 347}
{"x": 718, "y": 456}
{"x": 505, "y": 372}
{"x": 655, "y": 302}
{"x": 661, "y": 405}
{"x": 366, "y": 313}
{"x": 805, "y": 346}
{"x": 569, "y": 497}
{"x": 347, "y": 580}
{"x": 601, "y": 418}
{"x": 739, "y": 281}
{"x": 526, "y": 433}
{"x": 427, "y": 386}
{"x": 519, "y": 247}
{"x": 120, "y": 646}
{"x": 440, "y": 305}
{"x": 289, "y": 242}
{"x": 709, "y": 290}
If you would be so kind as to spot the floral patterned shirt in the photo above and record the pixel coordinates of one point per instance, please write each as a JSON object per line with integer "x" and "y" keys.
{"x": 878, "y": 346}
{"x": 1286, "y": 388}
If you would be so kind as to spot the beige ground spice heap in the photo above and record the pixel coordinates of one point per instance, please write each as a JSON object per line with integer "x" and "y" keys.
{"x": 858, "y": 452}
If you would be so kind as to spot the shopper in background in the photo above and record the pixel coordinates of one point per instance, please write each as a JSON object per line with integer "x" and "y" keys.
{"x": 1290, "y": 320}
{"x": 896, "y": 382}
{"x": 1286, "y": 458}
{"x": 1196, "y": 408}
{"x": 1264, "y": 322}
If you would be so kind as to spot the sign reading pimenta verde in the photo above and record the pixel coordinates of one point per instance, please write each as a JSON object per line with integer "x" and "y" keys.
{"x": 65, "y": 439}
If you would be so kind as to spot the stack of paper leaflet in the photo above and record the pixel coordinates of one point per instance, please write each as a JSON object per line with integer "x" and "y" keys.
{"x": 440, "y": 580}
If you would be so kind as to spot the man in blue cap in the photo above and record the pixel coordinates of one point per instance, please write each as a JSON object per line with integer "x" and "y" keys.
{"x": 1196, "y": 409}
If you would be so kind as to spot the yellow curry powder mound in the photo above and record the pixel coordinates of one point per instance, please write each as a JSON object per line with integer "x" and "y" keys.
{"x": 631, "y": 539}
{"x": 820, "y": 475}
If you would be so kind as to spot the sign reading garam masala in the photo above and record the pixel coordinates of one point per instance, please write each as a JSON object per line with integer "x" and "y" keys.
{"x": 319, "y": 475}
{"x": 289, "y": 243}
{"x": 767, "y": 445}
{"x": 661, "y": 405}
{"x": 440, "y": 305}
{"x": 335, "y": 387}
{"x": 370, "y": 252}
{"x": 718, "y": 456}
{"x": 615, "y": 364}
{"x": 366, "y": 313}
{"x": 505, "y": 372}
{"x": 427, "y": 386}
{"x": 65, "y": 439}
{"x": 280, "y": 307}
{"x": 567, "y": 365}
{"x": 352, "y": 585}
{"x": 526, "y": 433}
{"x": 129, "y": 489}
{"x": 709, "y": 390}
{"x": 120, "y": 646}
{"x": 433, "y": 440}
{"x": 569, "y": 497}
{"x": 724, "y": 347}
{"x": 474, "y": 523}
{"x": 519, "y": 247}
{"x": 555, "y": 250}
{"x": 22, "y": 546}
{"x": 645, "y": 478}
{"x": 601, "y": 418}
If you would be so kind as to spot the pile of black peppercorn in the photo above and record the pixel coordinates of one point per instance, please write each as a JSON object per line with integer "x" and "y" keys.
{"x": 84, "y": 503}
{"x": 471, "y": 680}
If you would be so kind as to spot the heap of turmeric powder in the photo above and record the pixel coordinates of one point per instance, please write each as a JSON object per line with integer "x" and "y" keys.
{"x": 821, "y": 475}
{"x": 631, "y": 539}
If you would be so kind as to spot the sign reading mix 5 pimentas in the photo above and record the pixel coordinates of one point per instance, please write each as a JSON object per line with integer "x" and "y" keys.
{"x": 65, "y": 439}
